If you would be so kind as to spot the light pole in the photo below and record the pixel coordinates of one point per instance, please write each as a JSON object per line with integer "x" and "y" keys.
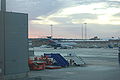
{"x": 85, "y": 30}
{"x": 51, "y": 30}
{"x": 82, "y": 31}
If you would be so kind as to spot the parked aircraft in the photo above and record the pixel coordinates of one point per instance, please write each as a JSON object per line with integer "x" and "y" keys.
{"x": 62, "y": 45}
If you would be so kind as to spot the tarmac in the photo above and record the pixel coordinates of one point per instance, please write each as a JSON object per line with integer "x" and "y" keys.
{"x": 105, "y": 67}
{"x": 88, "y": 72}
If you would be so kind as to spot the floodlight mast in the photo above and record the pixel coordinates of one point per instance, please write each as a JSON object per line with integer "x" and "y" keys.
{"x": 85, "y": 30}
{"x": 51, "y": 30}
{"x": 3, "y": 5}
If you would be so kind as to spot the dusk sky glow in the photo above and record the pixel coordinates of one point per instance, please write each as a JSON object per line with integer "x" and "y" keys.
{"x": 68, "y": 16}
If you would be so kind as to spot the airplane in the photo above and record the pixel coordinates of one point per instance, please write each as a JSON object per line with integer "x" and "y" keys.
{"x": 62, "y": 45}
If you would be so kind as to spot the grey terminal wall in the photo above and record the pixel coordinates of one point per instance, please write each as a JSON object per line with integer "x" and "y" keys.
{"x": 1, "y": 47}
{"x": 15, "y": 45}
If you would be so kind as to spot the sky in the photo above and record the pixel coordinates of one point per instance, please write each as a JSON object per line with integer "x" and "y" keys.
{"x": 68, "y": 17}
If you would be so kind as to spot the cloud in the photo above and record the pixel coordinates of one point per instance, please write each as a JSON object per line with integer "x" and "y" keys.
{"x": 114, "y": 4}
{"x": 68, "y": 15}
{"x": 64, "y": 11}
{"x": 34, "y": 7}
{"x": 44, "y": 22}
{"x": 104, "y": 19}
{"x": 97, "y": 13}
{"x": 117, "y": 15}
{"x": 81, "y": 18}
{"x": 84, "y": 16}
{"x": 115, "y": 0}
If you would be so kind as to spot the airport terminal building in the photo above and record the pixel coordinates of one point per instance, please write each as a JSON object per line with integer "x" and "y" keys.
{"x": 80, "y": 43}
